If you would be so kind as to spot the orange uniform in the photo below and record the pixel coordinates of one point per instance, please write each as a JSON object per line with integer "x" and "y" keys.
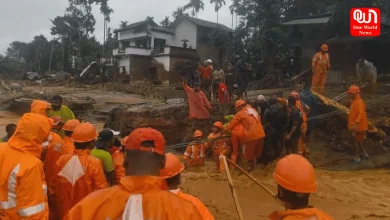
{"x": 302, "y": 148}
{"x": 23, "y": 191}
{"x": 202, "y": 209}
{"x": 78, "y": 175}
{"x": 320, "y": 66}
{"x": 146, "y": 193}
{"x": 220, "y": 147}
{"x": 69, "y": 144}
{"x": 301, "y": 214}
{"x": 55, "y": 150}
{"x": 40, "y": 107}
{"x": 252, "y": 133}
{"x": 118, "y": 159}
{"x": 358, "y": 115}
{"x": 194, "y": 154}
{"x": 198, "y": 103}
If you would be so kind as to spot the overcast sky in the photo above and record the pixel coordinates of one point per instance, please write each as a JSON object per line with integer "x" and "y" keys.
{"x": 21, "y": 20}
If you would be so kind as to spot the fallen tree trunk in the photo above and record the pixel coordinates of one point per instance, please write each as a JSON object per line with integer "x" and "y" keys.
{"x": 331, "y": 106}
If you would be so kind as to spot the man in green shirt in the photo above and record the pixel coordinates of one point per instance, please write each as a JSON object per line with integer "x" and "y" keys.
{"x": 104, "y": 141}
{"x": 60, "y": 110}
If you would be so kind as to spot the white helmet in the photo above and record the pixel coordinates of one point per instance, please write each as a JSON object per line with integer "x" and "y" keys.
{"x": 209, "y": 61}
{"x": 261, "y": 98}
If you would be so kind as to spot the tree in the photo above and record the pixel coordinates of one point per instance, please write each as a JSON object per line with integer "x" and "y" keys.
{"x": 123, "y": 24}
{"x": 196, "y": 6}
{"x": 221, "y": 40}
{"x": 148, "y": 18}
{"x": 179, "y": 11}
{"x": 218, "y": 5}
{"x": 166, "y": 22}
{"x": 233, "y": 8}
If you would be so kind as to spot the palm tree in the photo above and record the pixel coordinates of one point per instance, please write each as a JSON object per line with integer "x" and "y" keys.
{"x": 165, "y": 22}
{"x": 218, "y": 5}
{"x": 233, "y": 8}
{"x": 179, "y": 11}
{"x": 196, "y": 6}
{"x": 123, "y": 24}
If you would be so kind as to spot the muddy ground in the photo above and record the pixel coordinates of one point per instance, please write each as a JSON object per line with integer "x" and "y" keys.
{"x": 362, "y": 194}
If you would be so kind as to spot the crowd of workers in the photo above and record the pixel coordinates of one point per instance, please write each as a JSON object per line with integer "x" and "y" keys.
{"x": 56, "y": 167}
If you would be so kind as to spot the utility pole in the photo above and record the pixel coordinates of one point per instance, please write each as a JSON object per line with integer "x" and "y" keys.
{"x": 51, "y": 54}
{"x": 298, "y": 8}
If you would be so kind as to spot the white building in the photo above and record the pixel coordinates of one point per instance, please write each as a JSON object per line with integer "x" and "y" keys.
{"x": 147, "y": 50}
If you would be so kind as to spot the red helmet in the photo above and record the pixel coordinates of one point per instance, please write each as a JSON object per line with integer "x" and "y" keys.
{"x": 218, "y": 124}
{"x": 353, "y": 90}
{"x": 239, "y": 103}
{"x": 198, "y": 133}
{"x": 295, "y": 95}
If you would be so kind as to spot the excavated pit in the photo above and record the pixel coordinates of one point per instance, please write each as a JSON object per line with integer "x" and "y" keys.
{"x": 170, "y": 119}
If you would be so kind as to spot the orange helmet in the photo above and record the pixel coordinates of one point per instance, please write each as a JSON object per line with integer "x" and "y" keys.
{"x": 173, "y": 166}
{"x": 324, "y": 47}
{"x": 239, "y": 103}
{"x": 295, "y": 95}
{"x": 198, "y": 133}
{"x": 58, "y": 122}
{"x": 218, "y": 124}
{"x": 84, "y": 132}
{"x": 71, "y": 125}
{"x": 295, "y": 174}
{"x": 353, "y": 90}
{"x": 124, "y": 140}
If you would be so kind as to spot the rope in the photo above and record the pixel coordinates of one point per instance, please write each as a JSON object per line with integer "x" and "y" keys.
{"x": 185, "y": 144}
{"x": 371, "y": 102}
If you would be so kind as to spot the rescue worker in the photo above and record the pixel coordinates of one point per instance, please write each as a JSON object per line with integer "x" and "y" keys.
{"x": 23, "y": 191}
{"x": 366, "y": 73}
{"x": 77, "y": 174}
{"x": 223, "y": 97}
{"x": 250, "y": 134}
{"x": 205, "y": 81}
{"x": 104, "y": 141}
{"x": 10, "y": 130}
{"x": 55, "y": 150}
{"x": 40, "y": 107}
{"x": 172, "y": 175}
{"x": 261, "y": 104}
{"x": 357, "y": 123}
{"x": 195, "y": 152}
{"x": 142, "y": 194}
{"x": 320, "y": 65}
{"x": 271, "y": 122}
{"x": 68, "y": 130}
{"x": 198, "y": 103}
{"x": 305, "y": 109}
{"x": 296, "y": 181}
{"x": 218, "y": 144}
{"x": 241, "y": 76}
{"x": 60, "y": 110}
{"x": 293, "y": 127}
{"x": 118, "y": 158}
{"x": 218, "y": 76}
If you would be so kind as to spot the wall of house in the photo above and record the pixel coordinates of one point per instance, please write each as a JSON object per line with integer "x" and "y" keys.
{"x": 165, "y": 60}
{"x": 185, "y": 30}
{"x": 206, "y": 51}
{"x": 130, "y": 34}
{"x": 139, "y": 68}
{"x": 124, "y": 61}
{"x": 169, "y": 38}
{"x": 176, "y": 64}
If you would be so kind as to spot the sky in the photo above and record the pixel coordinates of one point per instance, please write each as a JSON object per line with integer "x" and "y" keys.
{"x": 21, "y": 20}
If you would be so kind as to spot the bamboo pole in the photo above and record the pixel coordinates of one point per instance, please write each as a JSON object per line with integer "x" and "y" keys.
{"x": 233, "y": 191}
{"x": 252, "y": 178}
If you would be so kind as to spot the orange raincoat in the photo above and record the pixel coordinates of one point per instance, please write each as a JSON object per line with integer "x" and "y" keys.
{"x": 147, "y": 194}
{"x": 69, "y": 144}
{"x": 302, "y": 147}
{"x": 358, "y": 115}
{"x": 220, "y": 147}
{"x": 252, "y": 133}
{"x": 77, "y": 175}
{"x": 300, "y": 214}
{"x": 194, "y": 154}
{"x": 40, "y": 107}
{"x": 118, "y": 158}
{"x": 198, "y": 103}
{"x": 22, "y": 186}
{"x": 202, "y": 209}
{"x": 320, "y": 66}
{"x": 55, "y": 150}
